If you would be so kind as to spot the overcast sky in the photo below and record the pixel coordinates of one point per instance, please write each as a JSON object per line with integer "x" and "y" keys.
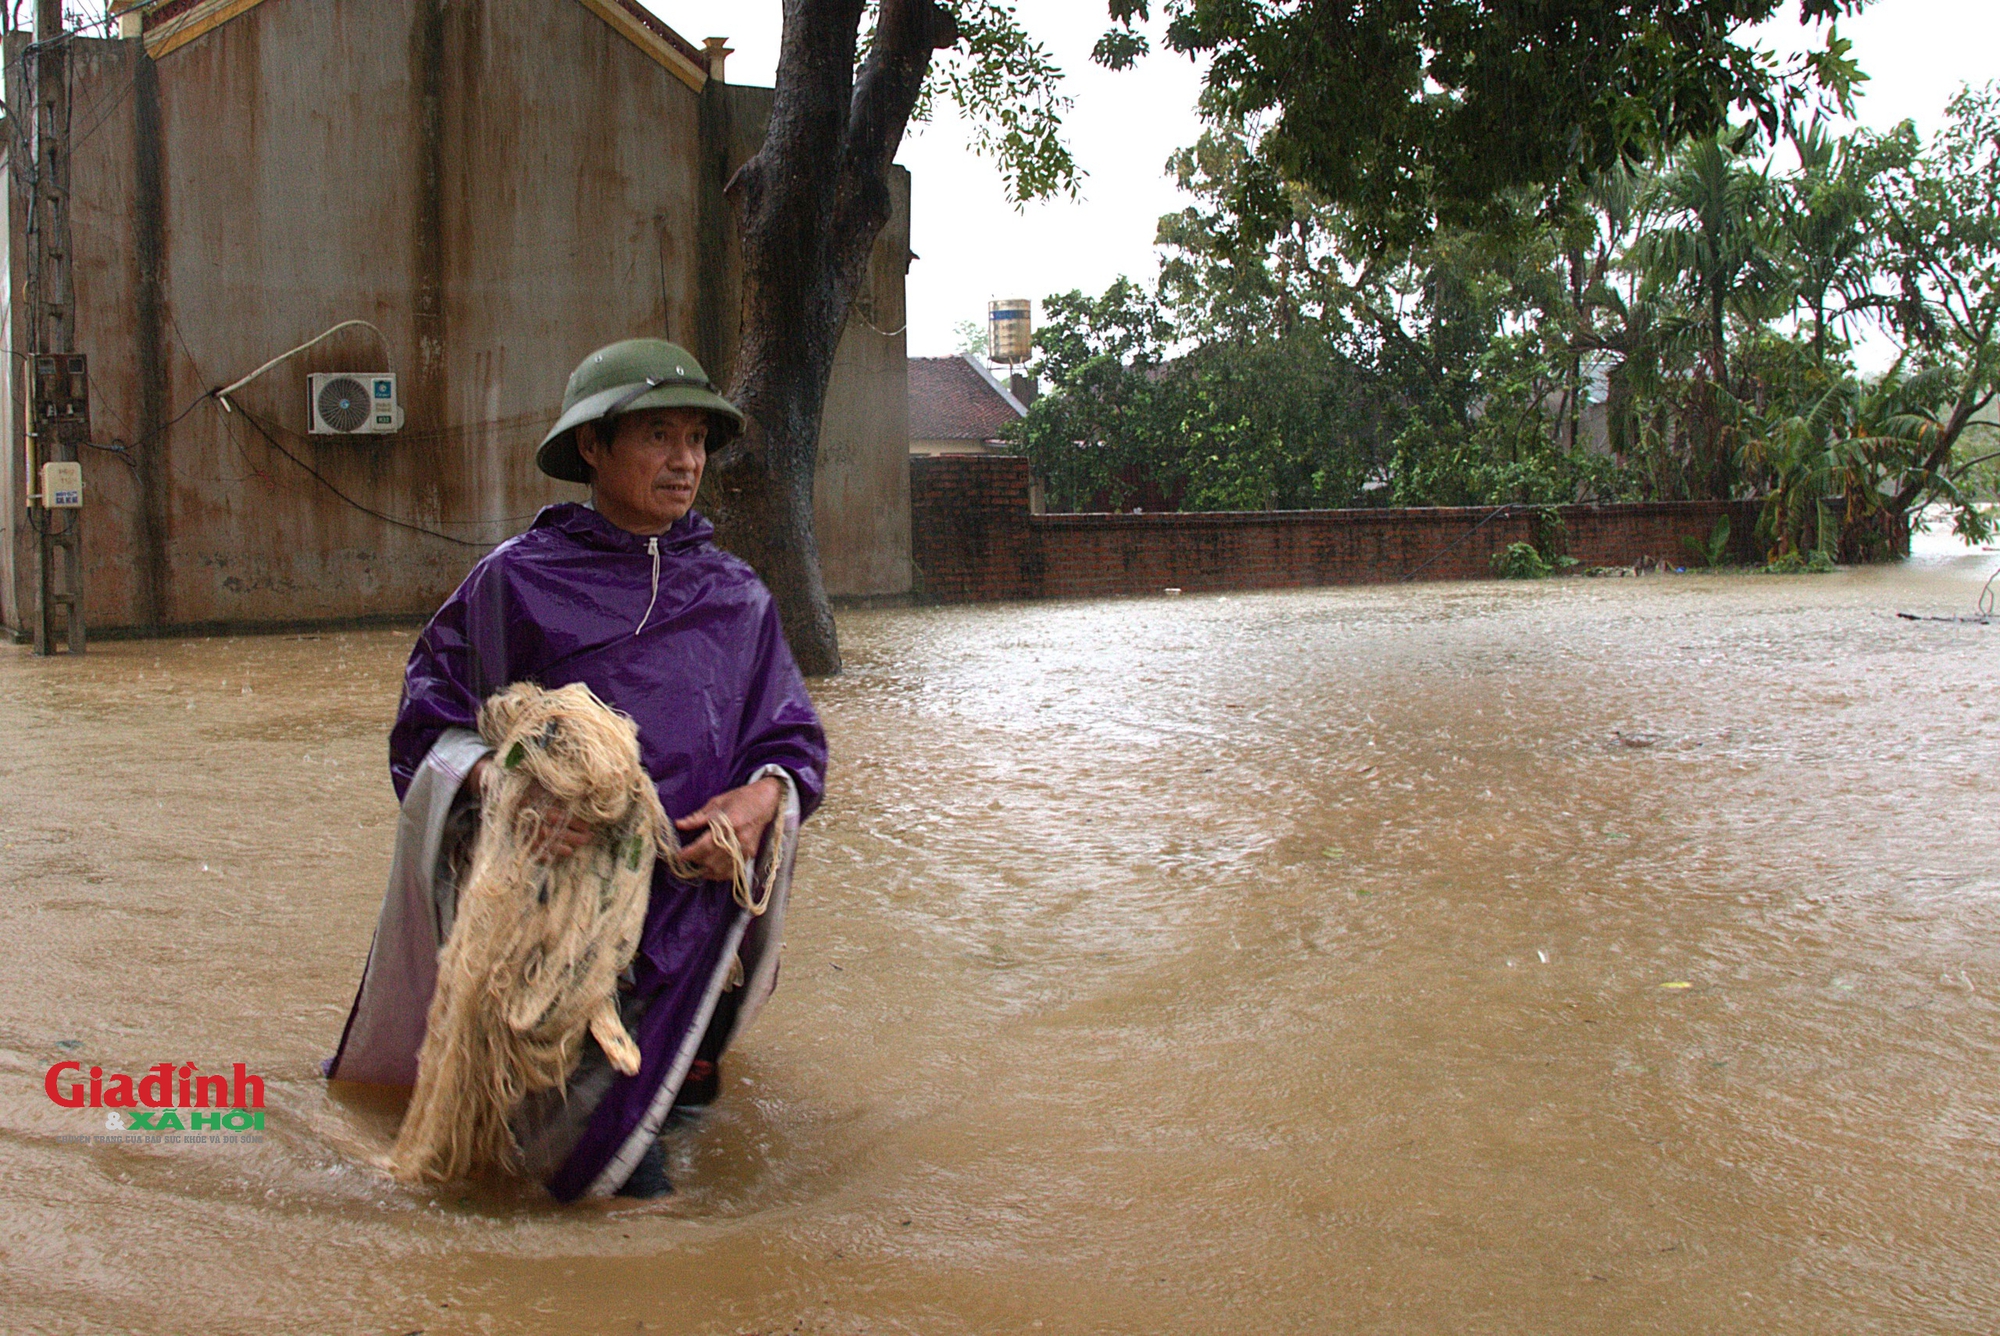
{"x": 973, "y": 246}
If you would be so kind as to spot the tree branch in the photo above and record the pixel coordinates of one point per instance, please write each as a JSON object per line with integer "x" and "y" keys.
{"x": 1968, "y": 401}
{"x": 886, "y": 92}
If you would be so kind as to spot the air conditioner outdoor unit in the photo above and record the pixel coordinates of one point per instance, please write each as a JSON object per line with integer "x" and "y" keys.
{"x": 353, "y": 403}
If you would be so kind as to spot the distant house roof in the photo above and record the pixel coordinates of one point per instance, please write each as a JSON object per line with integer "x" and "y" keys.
{"x": 956, "y": 399}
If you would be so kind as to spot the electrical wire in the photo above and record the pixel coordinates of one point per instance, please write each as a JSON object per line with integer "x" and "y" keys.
{"x": 1510, "y": 506}
{"x": 885, "y": 333}
{"x": 117, "y": 448}
{"x": 125, "y": 451}
{"x": 117, "y": 99}
{"x": 42, "y": 529}
{"x": 325, "y": 482}
{"x": 23, "y": 165}
{"x": 537, "y": 420}
{"x": 222, "y": 395}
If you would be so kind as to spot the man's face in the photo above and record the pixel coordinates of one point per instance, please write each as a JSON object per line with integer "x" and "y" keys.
{"x": 647, "y": 476}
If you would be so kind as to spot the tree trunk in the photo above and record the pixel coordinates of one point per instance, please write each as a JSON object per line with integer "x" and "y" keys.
{"x": 1967, "y": 402}
{"x": 810, "y": 205}
{"x": 1714, "y": 472}
{"x": 1578, "y": 316}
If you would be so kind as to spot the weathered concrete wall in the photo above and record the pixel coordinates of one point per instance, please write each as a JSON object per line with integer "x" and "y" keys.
{"x": 862, "y": 492}
{"x": 104, "y": 271}
{"x": 501, "y": 186}
{"x": 975, "y": 540}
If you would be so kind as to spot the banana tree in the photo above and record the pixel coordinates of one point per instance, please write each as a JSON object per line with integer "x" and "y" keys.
{"x": 1843, "y": 472}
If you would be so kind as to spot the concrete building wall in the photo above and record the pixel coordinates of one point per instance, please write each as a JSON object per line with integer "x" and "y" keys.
{"x": 861, "y": 496}
{"x": 500, "y": 186}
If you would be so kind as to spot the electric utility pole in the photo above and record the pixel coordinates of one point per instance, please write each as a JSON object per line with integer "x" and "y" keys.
{"x": 57, "y": 418}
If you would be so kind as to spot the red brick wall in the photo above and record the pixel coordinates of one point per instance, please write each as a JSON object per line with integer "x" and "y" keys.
{"x": 973, "y": 540}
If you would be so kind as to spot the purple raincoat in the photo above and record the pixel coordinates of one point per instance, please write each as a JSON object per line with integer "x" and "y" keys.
{"x": 682, "y": 637}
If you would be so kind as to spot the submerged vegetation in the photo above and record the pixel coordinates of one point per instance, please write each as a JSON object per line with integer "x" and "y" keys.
{"x": 1520, "y": 561}
{"x": 1714, "y": 551}
{"x": 1680, "y": 328}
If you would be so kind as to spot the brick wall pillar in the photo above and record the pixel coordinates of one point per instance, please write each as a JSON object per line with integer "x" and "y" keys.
{"x": 969, "y": 535}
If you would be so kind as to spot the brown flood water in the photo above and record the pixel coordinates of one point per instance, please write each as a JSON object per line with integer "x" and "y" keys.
{"x": 1303, "y": 962}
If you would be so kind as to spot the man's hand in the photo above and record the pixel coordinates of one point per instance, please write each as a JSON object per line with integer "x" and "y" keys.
{"x": 750, "y": 810}
{"x": 559, "y": 838}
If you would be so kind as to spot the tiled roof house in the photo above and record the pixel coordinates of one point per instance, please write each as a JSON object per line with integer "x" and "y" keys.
{"x": 958, "y": 407}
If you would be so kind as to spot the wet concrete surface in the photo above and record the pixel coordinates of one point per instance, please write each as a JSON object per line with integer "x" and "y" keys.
{"x": 1581, "y": 956}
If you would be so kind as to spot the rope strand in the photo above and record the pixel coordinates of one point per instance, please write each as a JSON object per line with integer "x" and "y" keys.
{"x": 538, "y": 942}
{"x": 753, "y": 900}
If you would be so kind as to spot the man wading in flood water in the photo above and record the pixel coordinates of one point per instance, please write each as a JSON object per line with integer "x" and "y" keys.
{"x": 629, "y": 596}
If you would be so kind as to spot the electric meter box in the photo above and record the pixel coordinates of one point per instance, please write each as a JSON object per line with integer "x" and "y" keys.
{"x": 62, "y": 486}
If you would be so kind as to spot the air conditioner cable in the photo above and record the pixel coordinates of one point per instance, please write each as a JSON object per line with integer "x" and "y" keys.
{"x": 222, "y": 395}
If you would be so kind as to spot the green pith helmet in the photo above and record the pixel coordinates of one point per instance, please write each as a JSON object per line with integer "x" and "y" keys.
{"x": 624, "y": 378}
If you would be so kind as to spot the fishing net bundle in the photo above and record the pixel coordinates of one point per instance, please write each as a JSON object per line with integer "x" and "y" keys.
{"x": 538, "y": 941}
